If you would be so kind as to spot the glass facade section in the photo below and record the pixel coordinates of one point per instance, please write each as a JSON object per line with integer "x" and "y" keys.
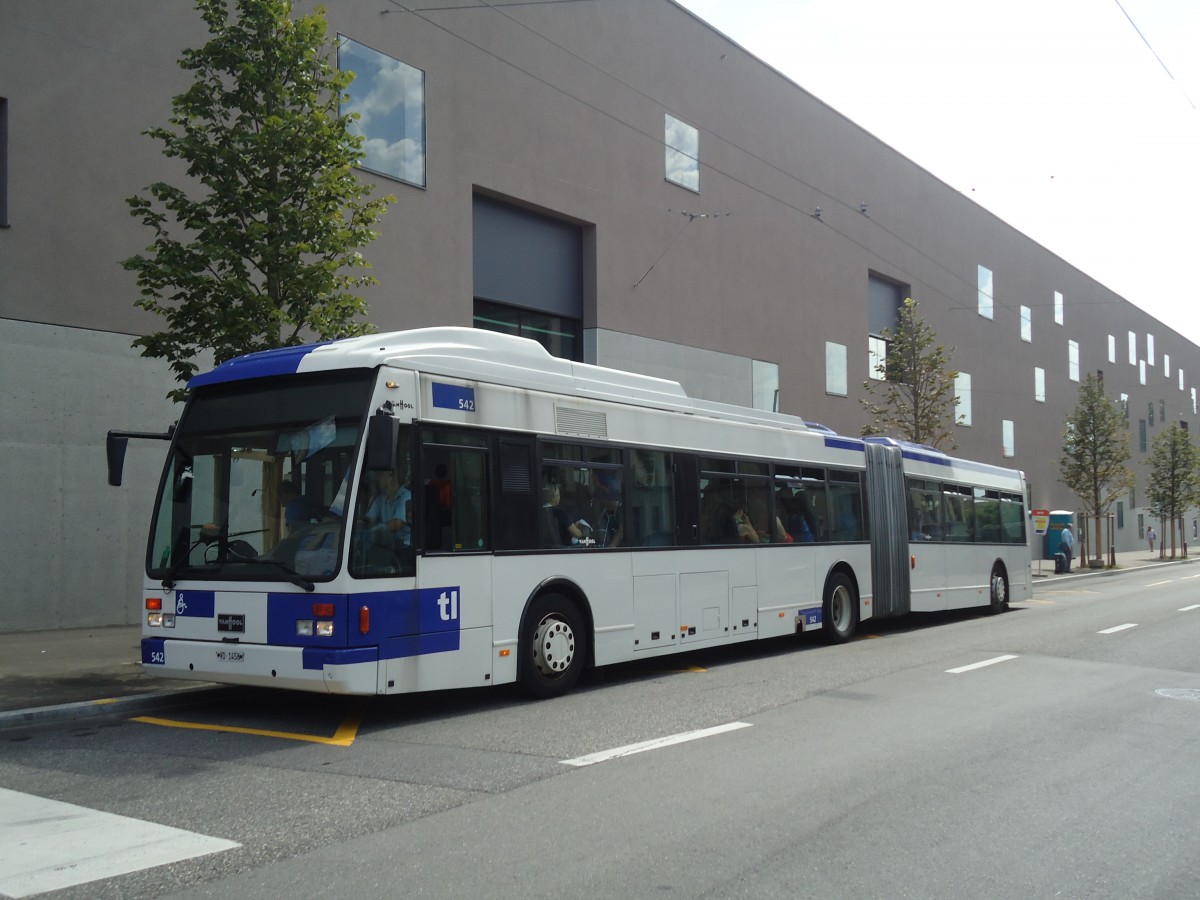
{"x": 1073, "y": 360}
{"x": 986, "y": 293}
{"x": 682, "y": 153}
{"x": 1058, "y": 307}
{"x": 962, "y": 392}
{"x": 765, "y": 376}
{"x": 835, "y": 369}
{"x": 388, "y": 97}
{"x": 1026, "y": 324}
{"x": 1008, "y": 437}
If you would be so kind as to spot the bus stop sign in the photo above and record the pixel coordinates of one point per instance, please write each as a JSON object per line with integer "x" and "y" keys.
{"x": 1041, "y": 520}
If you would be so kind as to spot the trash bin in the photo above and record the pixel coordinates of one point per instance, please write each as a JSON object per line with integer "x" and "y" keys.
{"x": 1060, "y": 563}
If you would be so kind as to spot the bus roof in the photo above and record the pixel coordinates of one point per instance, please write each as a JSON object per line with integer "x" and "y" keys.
{"x": 476, "y": 354}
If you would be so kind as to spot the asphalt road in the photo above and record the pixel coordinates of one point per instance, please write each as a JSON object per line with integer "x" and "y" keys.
{"x": 895, "y": 766}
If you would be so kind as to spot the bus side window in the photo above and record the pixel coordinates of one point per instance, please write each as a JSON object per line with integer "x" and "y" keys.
{"x": 845, "y": 498}
{"x": 652, "y": 506}
{"x": 454, "y": 500}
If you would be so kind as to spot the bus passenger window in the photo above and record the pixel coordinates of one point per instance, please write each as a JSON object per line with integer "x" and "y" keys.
{"x": 454, "y": 498}
{"x": 845, "y": 501}
{"x": 652, "y": 505}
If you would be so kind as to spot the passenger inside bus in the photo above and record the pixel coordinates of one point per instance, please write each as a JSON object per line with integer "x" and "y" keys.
{"x": 560, "y": 528}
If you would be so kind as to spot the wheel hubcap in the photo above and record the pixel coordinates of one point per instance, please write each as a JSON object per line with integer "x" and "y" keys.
{"x": 839, "y": 608}
{"x": 999, "y": 594}
{"x": 553, "y": 646}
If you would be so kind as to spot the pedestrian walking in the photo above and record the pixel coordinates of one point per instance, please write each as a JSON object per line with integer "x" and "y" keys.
{"x": 1151, "y": 537}
{"x": 1067, "y": 545}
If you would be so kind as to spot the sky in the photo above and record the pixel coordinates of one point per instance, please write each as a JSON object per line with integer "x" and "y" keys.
{"x": 1075, "y": 121}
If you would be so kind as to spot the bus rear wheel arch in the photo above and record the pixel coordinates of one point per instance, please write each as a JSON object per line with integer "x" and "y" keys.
{"x": 553, "y": 645}
{"x": 839, "y": 608}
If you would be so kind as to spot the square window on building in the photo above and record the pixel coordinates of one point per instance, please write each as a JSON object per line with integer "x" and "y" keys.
{"x": 884, "y": 300}
{"x": 1073, "y": 360}
{"x": 986, "y": 292}
{"x": 682, "y": 153}
{"x": 1027, "y": 324}
{"x": 877, "y": 358}
{"x": 1058, "y": 307}
{"x": 765, "y": 376}
{"x": 389, "y": 97}
{"x": 1039, "y": 384}
{"x": 836, "y": 382}
{"x": 1009, "y": 438}
{"x": 3, "y": 162}
{"x": 962, "y": 393}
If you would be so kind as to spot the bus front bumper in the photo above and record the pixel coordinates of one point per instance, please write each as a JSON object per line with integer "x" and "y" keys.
{"x": 333, "y": 671}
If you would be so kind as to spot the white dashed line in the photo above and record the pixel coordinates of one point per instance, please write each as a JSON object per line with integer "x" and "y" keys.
{"x": 980, "y": 665}
{"x": 1190, "y": 608}
{"x": 1118, "y": 628}
{"x": 655, "y": 744}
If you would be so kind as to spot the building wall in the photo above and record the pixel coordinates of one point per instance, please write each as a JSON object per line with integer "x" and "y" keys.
{"x": 558, "y": 107}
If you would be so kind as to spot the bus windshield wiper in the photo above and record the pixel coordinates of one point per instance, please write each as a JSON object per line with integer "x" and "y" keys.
{"x": 291, "y": 574}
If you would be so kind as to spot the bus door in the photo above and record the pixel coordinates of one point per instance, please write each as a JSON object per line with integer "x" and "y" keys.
{"x": 927, "y": 536}
{"x": 886, "y": 499}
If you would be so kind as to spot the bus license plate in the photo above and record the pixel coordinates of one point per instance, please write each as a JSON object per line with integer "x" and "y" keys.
{"x": 231, "y": 656}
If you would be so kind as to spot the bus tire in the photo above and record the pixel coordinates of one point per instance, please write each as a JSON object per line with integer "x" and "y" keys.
{"x": 553, "y": 646}
{"x": 839, "y": 609}
{"x": 998, "y": 590}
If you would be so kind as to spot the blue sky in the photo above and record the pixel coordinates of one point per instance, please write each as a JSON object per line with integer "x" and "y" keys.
{"x": 1057, "y": 115}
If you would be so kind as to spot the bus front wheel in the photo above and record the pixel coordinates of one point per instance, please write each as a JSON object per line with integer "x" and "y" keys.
{"x": 553, "y": 650}
{"x": 839, "y": 609}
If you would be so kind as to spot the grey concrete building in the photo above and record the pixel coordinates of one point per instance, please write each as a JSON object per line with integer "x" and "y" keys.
{"x": 614, "y": 177}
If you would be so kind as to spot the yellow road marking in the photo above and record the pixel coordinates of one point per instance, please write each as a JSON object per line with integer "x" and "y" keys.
{"x": 346, "y": 732}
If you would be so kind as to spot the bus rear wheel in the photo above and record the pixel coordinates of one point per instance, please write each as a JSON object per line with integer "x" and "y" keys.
{"x": 553, "y": 650}
{"x": 998, "y": 590}
{"x": 839, "y": 609}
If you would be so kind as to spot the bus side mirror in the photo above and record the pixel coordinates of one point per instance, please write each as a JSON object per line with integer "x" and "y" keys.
{"x": 115, "y": 446}
{"x": 382, "y": 436}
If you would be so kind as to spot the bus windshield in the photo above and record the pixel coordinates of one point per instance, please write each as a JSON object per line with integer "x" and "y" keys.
{"x": 257, "y": 481}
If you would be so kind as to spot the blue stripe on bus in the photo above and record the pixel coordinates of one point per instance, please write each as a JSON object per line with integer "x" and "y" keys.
{"x": 282, "y": 361}
{"x": 842, "y": 443}
{"x": 320, "y": 657}
{"x": 153, "y": 652}
{"x": 401, "y": 623}
{"x": 196, "y": 604}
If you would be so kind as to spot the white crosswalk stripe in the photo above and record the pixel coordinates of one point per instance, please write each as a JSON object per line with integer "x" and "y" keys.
{"x": 46, "y": 845}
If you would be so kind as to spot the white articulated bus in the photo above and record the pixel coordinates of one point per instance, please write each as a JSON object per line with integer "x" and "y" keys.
{"x": 450, "y": 507}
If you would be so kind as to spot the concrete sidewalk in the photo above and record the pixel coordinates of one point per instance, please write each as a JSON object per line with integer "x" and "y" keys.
{"x": 77, "y": 672}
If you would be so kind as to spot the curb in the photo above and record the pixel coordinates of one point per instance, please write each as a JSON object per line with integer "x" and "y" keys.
{"x": 86, "y": 709}
{"x": 1119, "y": 570}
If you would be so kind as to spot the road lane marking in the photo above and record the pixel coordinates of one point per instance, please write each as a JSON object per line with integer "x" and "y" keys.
{"x": 1117, "y": 628}
{"x": 346, "y": 732}
{"x": 1160, "y": 583}
{"x": 47, "y": 845}
{"x": 980, "y": 665}
{"x": 655, "y": 744}
{"x": 1193, "y": 606}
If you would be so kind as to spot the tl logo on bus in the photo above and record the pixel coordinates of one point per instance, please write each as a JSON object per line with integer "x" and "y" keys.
{"x": 448, "y": 606}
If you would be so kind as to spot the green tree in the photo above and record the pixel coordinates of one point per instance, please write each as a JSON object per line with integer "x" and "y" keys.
{"x": 264, "y": 251}
{"x": 918, "y": 401}
{"x": 1174, "y": 478}
{"x": 1095, "y": 452}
